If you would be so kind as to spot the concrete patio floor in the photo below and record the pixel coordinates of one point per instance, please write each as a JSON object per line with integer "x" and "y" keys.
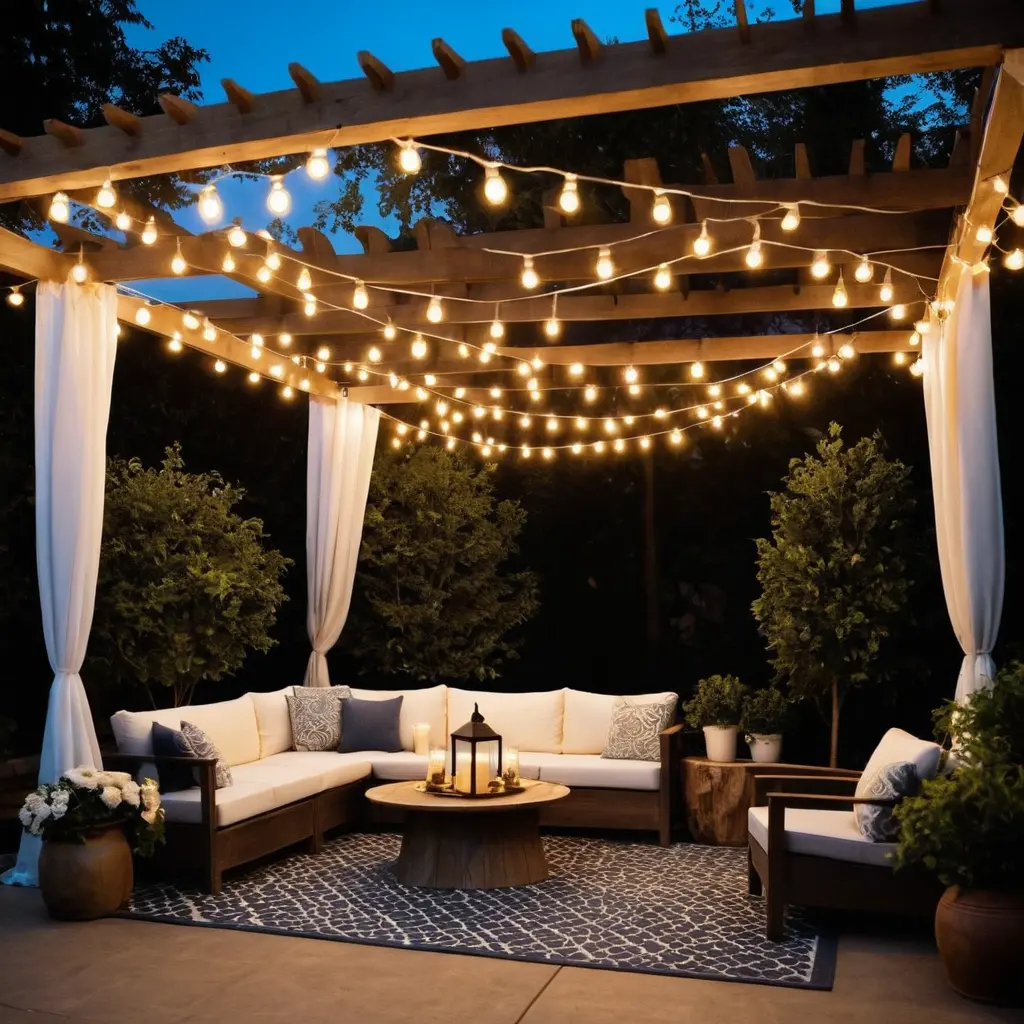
{"x": 136, "y": 972}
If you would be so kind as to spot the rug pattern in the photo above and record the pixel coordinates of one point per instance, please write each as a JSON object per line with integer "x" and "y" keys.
{"x": 631, "y": 906}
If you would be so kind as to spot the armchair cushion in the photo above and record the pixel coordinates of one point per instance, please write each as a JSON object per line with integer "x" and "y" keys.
{"x": 818, "y": 833}
{"x": 897, "y": 745}
{"x": 891, "y": 781}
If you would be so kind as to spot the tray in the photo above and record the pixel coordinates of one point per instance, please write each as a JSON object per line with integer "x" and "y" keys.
{"x": 421, "y": 787}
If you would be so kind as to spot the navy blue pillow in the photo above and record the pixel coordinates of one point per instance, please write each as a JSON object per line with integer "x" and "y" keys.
{"x": 170, "y": 743}
{"x": 370, "y": 725}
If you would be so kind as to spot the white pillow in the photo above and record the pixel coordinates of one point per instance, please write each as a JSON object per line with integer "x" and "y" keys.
{"x": 588, "y": 717}
{"x": 897, "y": 745}
{"x": 273, "y": 721}
{"x": 424, "y": 705}
{"x": 529, "y": 721}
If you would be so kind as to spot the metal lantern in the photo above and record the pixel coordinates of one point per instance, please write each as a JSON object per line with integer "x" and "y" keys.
{"x": 476, "y": 756}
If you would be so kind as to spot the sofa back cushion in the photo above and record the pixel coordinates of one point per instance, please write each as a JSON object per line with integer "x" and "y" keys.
{"x": 529, "y": 721}
{"x": 588, "y": 717}
{"x": 424, "y": 705}
{"x": 230, "y": 724}
{"x": 272, "y": 721}
{"x": 897, "y": 745}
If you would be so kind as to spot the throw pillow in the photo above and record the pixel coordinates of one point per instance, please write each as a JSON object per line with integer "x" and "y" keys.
{"x": 203, "y": 746}
{"x": 370, "y": 725}
{"x": 890, "y": 781}
{"x": 634, "y": 733}
{"x": 171, "y": 743}
{"x": 315, "y": 712}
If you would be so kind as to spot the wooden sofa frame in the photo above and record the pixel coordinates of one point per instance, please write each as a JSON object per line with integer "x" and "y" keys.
{"x": 209, "y": 851}
{"x": 823, "y": 882}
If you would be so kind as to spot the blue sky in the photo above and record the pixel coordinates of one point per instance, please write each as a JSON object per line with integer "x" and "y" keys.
{"x": 253, "y": 43}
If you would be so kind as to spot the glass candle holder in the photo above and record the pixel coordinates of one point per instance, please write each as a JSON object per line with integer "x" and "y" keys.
{"x": 510, "y": 768}
{"x": 436, "y": 761}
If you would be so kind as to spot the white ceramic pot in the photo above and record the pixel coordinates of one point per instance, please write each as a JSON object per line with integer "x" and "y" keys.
{"x": 720, "y": 741}
{"x": 765, "y": 748}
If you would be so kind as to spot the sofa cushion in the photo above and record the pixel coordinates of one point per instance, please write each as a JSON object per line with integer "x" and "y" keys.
{"x": 332, "y": 769}
{"x": 273, "y": 722}
{"x": 529, "y": 721}
{"x": 590, "y": 770}
{"x": 400, "y": 766}
{"x": 897, "y": 745}
{"x": 428, "y": 705}
{"x": 202, "y": 746}
{"x": 635, "y": 732}
{"x": 370, "y": 725}
{"x": 235, "y": 803}
{"x": 315, "y": 714}
{"x": 588, "y": 718}
{"x": 231, "y": 724}
{"x": 831, "y": 834}
{"x": 171, "y": 743}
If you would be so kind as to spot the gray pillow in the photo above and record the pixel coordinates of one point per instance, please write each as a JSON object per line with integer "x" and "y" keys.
{"x": 896, "y": 780}
{"x": 171, "y": 743}
{"x": 370, "y": 725}
{"x": 635, "y": 729}
{"x": 315, "y": 712}
{"x": 202, "y": 746}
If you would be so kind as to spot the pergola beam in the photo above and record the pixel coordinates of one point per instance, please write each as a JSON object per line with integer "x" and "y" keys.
{"x": 28, "y": 259}
{"x": 903, "y": 39}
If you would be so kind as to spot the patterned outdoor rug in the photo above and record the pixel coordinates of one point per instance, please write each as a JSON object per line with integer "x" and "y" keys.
{"x": 622, "y": 906}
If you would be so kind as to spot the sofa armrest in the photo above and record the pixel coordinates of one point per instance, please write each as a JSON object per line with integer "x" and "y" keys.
{"x": 806, "y": 784}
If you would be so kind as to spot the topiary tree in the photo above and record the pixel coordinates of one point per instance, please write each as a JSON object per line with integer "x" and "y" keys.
{"x": 432, "y": 599}
{"x": 833, "y": 575}
{"x": 186, "y": 585}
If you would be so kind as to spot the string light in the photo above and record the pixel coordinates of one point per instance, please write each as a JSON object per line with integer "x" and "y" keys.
{"x": 676, "y": 437}
{"x": 791, "y": 220}
{"x": 435, "y": 312}
{"x": 821, "y": 267}
{"x": 304, "y": 282}
{"x": 702, "y": 243}
{"x": 898, "y": 312}
{"x": 317, "y": 165}
{"x": 552, "y": 425}
{"x": 264, "y": 274}
{"x": 661, "y": 209}
{"x": 149, "y": 233}
{"x": 610, "y": 426}
{"x": 408, "y": 157}
{"x": 569, "y": 198}
{"x": 106, "y": 198}
{"x": 279, "y": 201}
{"x": 122, "y": 221}
{"x": 984, "y": 232}
{"x": 419, "y": 347}
{"x": 220, "y": 366}
{"x": 80, "y": 272}
{"x": 634, "y": 389}
{"x": 360, "y": 296}
{"x": 576, "y": 370}
{"x": 277, "y": 370}
{"x": 604, "y": 267}
{"x": 582, "y": 423}
{"x": 864, "y": 271}
{"x": 645, "y": 442}
{"x": 143, "y": 316}
{"x": 590, "y": 393}
{"x": 839, "y": 296}
{"x": 796, "y": 388}
{"x": 663, "y": 277}
{"x": 755, "y": 257}
{"x": 779, "y": 366}
{"x": 14, "y": 297}
{"x": 391, "y": 332}
{"x": 552, "y": 328}
{"x": 211, "y": 209}
{"x": 209, "y": 331}
{"x": 529, "y": 277}
{"x": 846, "y": 351}
{"x": 178, "y": 264}
{"x": 523, "y": 369}
{"x": 599, "y": 447}
{"x": 309, "y": 307}
{"x": 899, "y": 358}
{"x": 287, "y": 392}
{"x": 254, "y": 377}
{"x": 228, "y": 263}
{"x": 60, "y": 208}
{"x": 323, "y": 353}
{"x": 922, "y": 327}
{"x": 374, "y": 355}
{"x": 1014, "y": 260}
{"x": 702, "y": 412}
{"x": 885, "y": 292}
{"x": 630, "y": 375}
{"x": 175, "y": 343}
{"x": 917, "y": 367}
{"x": 697, "y": 370}
{"x": 495, "y": 189}
{"x": 915, "y": 339}
{"x": 743, "y": 388}
{"x": 576, "y": 448}
{"x": 1016, "y": 215}
{"x": 834, "y": 365}
{"x": 237, "y": 236}
{"x": 524, "y": 421}
{"x": 714, "y": 391}
{"x": 999, "y": 185}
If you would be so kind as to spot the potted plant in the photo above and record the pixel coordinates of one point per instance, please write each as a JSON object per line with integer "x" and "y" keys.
{"x": 90, "y": 822}
{"x": 764, "y": 715}
{"x": 716, "y": 709}
{"x": 968, "y": 828}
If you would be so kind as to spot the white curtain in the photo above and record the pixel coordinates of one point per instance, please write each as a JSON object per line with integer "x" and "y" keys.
{"x": 342, "y": 437}
{"x": 960, "y": 409}
{"x": 76, "y": 341}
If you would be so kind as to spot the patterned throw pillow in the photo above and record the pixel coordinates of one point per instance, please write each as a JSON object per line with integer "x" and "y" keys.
{"x": 202, "y": 746}
{"x": 890, "y": 781}
{"x": 635, "y": 728}
{"x": 315, "y": 712}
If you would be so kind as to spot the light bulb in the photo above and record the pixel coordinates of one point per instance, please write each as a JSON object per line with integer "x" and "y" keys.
{"x": 576, "y": 369}
{"x": 189, "y": 320}
{"x": 409, "y": 157}
{"x": 279, "y": 201}
{"x": 899, "y": 358}
{"x": 537, "y": 363}
{"x": 619, "y": 445}
{"x": 435, "y": 312}
{"x": 755, "y": 257}
{"x": 999, "y": 185}
{"x": 552, "y": 425}
{"x": 360, "y": 296}
{"x": 917, "y": 367}
{"x": 228, "y": 263}
{"x": 374, "y": 355}
{"x": 661, "y": 209}
{"x": 599, "y": 447}
{"x": 569, "y": 198}
{"x": 178, "y": 264}
{"x": 779, "y": 366}
{"x": 122, "y": 221}
{"x": 660, "y": 413}
{"x": 419, "y": 348}
{"x": 714, "y": 391}
{"x": 922, "y": 327}
{"x": 390, "y": 332}
{"x": 846, "y": 351}
{"x": 287, "y": 392}
{"x": 702, "y": 243}
{"x": 220, "y": 366}
{"x": 915, "y": 339}
{"x": 604, "y": 266}
{"x": 702, "y": 412}
{"x": 984, "y": 232}
{"x": 791, "y": 220}
{"x": 317, "y": 165}
{"x": 211, "y": 209}
{"x": 821, "y": 267}
{"x": 495, "y": 188}
{"x": 273, "y": 261}
{"x": 175, "y": 343}
{"x": 581, "y": 423}
{"x": 142, "y": 316}
{"x": 1014, "y": 260}
{"x": 864, "y": 271}
{"x": 697, "y": 370}
{"x": 309, "y": 308}
{"x": 322, "y": 353}
{"x": 524, "y": 421}
{"x": 209, "y": 331}
{"x": 834, "y": 365}
{"x": 523, "y": 369}
{"x": 1017, "y": 216}
{"x": 552, "y": 328}
{"x": 497, "y": 330}
{"x": 263, "y": 275}
{"x": 898, "y": 312}
{"x": 676, "y": 437}
{"x": 149, "y": 232}
{"x": 590, "y": 393}
{"x": 14, "y": 297}
{"x": 839, "y": 296}
{"x": 256, "y": 351}
{"x": 885, "y": 292}
{"x": 60, "y": 208}
{"x": 528, "y": 278}
{"x": 663, "y": 277}
{"x": 106, "y": 197}
{"x": 277, "y": 370}
{"x": 304, "y": 282}
{"x": 80, "y": 272}
{"x": 236, "y": 236}
{"x": 630, "y": 374}
{"x": 484, "y": 355}
{"x": 743, "y": 389}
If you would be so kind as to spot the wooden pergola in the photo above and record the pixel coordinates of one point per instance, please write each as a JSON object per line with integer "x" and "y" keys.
{"x": 940, "y": 209}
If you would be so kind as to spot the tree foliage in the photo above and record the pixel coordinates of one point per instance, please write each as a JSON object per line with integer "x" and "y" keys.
{"x": 433, "y": 596}
{"x": 186, "y": 585}
{"x": 833, "y": 575}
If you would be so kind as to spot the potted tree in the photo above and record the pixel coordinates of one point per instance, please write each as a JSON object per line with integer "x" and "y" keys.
{"x": 716, "y": 708}
{"x": 90, "y": 822}
{"x": 764, "y": 715}
{"x": 968, "y": 828}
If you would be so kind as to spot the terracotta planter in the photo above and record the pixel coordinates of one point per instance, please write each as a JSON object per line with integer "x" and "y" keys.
{"x": 765, "y": 748}
{"x": 83, "y": 881}
{"x": 720, "y": 741}
{"x": 980, "y": 934}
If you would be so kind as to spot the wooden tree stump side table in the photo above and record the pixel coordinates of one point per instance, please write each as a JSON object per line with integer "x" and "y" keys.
{"x": 484, "y": 843}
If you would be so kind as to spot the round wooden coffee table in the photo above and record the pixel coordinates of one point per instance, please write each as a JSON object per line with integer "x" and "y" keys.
{"x": 483, "y": 843}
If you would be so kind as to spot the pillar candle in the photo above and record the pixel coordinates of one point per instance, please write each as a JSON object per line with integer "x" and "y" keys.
{"x": 421, "y": 738}
{"x": 463, "y": 774}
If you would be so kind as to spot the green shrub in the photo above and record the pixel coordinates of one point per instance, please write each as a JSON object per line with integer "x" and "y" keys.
{"x": 764, "y": 712}
{"x": 718, "y": 701}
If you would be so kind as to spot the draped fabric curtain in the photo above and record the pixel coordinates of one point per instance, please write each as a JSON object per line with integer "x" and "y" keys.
{"x": 960, "y": 409}
{"x": 76, "y": 341}
{"x": 342, "y": 437}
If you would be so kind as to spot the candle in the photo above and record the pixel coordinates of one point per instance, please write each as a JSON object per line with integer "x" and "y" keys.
{"x": 464, "y": 770}
{"x": 510, "y": 769}
{"x": 421, "y": 738}
{"x": 436, "y": 762}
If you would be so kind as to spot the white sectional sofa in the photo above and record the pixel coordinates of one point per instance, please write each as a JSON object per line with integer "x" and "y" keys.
{"x": 281, "y": 796}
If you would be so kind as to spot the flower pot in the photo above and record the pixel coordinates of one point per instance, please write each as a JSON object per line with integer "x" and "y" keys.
{"x": 83, "y": 881}
{"x": 720, "y": 741}
{"x": 980, "y": 934}
{"x": 765, "y": 748}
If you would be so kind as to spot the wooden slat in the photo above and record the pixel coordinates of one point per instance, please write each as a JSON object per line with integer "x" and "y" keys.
{"x": 587, "y": 43}
{"x": 739, "y": 162}
{"x": 741, "y": 21}
{"x": 960, "y": 157}
{"x": 129, "y": 123}
{"x": 73, "y": 239}
{"x": 899, "y": 39}
{"x": 29, "y": 259}
{"x": 451, "y": 63}
{"x": 373, "y": 240}
{"x": 857, "y": 158}
{"x": 656, "y": 34}
{"x": 315, "y": 244}
{"x": 10, "y": 143}
{"x": 238, "y": 96}
{"x": 522, "y": 56}
{"x": 901, "y": 156}
{"x": 847, "y": 12}
{"x": 306, "y": 82}
{"x": 67, "y": 134}
{"x": 710, "y": 178}
{"x": 381, "y": 77}
{"x": 979, "y": 105}
{"x": 643, "y": 171}
{"x": 803, "y": 165}
{"x": 177, "y": 108}
{"x": 808, "y": 12}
